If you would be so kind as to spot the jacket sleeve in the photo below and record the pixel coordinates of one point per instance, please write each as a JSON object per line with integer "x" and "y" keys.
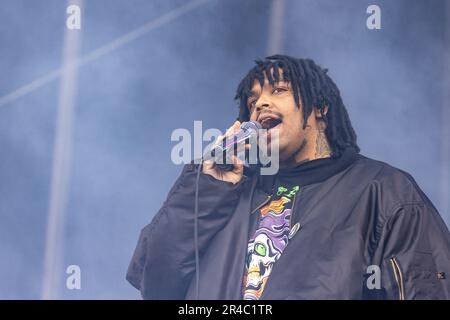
{"x": 163, "y": 263}
{"x": 414, "y": 253}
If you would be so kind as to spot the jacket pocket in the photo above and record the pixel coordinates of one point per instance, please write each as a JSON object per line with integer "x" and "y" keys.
{"x": 427, "y": 277}
{"x": 399, "y": 278}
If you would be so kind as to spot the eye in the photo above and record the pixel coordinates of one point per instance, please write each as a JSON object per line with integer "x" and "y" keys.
{"x": 251, "y": 104}
{"x": 260, "y": 249}
{"x": 279, "y": 90}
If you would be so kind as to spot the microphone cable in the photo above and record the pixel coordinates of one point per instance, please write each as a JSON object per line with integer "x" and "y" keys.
{"x": 197, "y": 260}
{"x": 227, "y": 167}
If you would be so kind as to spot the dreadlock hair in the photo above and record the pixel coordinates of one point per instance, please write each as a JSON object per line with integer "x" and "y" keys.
{"x": 313, "y": 86}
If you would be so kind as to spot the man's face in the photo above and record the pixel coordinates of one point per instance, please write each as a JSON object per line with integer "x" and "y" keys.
{"x": 275, "y": 108}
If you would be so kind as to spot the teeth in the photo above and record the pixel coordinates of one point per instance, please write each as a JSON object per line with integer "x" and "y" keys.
{"x": 267, "y": 121}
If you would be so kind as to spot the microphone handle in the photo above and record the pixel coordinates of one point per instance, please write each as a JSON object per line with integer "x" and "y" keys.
{"x": 219, "y": 153}
{"x": 247, "y": 130}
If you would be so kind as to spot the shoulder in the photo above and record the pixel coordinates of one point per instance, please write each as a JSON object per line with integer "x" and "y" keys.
{"x": 391, "y": 186}
{"x": 385, "y": 173}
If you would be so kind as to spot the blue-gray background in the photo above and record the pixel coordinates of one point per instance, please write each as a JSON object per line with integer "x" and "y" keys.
{"x": 130, "y": 100}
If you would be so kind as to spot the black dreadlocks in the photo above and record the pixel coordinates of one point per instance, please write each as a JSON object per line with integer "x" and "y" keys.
{"x": 313, "y": 86}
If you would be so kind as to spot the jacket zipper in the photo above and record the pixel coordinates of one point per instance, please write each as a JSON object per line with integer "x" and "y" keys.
{"x": 398, "y": 277}
{"x": 293, "y": 205}
{"x": 263, "y": 203}
{"x": 292, "y": 211}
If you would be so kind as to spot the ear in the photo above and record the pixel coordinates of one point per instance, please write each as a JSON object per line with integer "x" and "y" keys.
{"x": 317, "y": 112}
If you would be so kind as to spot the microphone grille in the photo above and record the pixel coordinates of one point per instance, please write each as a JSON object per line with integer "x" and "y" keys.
{"x": 251, "y": 125}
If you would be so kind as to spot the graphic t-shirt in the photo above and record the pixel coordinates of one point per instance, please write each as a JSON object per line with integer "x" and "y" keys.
{"x": 273, "y": 223}
{"x": 269, "y": 240}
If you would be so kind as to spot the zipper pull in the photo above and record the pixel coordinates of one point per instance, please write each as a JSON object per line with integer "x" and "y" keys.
{"x": 294, "y": 230}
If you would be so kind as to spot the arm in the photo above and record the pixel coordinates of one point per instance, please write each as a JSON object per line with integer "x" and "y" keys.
{"x": 163, "y": 263}
{"x": 414, "y": 253}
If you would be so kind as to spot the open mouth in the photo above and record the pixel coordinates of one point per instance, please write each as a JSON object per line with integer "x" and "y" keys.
{"x": 269, "y": 123}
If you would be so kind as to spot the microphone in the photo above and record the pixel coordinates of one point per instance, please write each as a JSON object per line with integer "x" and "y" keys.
{"x": 247, "y": 130}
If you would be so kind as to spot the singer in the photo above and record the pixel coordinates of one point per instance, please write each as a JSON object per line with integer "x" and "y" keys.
{"x": 330, "y": 224}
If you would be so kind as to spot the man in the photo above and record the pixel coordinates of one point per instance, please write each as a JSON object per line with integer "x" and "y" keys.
{"x": 331, "y": 224}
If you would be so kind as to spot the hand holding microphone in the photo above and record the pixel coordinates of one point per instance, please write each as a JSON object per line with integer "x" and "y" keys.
{"x": 236, "y": 136}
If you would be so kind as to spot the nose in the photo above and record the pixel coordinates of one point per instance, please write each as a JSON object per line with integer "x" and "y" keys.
{"x": 261, "y": 104}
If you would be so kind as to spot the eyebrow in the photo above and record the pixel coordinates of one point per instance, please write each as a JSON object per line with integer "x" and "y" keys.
{"x": 253, "y": 93}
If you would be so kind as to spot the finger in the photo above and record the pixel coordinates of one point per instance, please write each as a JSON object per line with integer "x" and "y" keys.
{"x": 236, "y": 126}
{"x": 208, "y": 164}
{"x": 230, "y": 130}
{"x": 218, "y": 140}
{"x": 242, "y": 147}
{"x": 238, "y": 164}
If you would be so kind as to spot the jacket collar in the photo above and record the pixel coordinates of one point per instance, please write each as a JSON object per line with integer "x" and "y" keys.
{"x": 310, "y": 172}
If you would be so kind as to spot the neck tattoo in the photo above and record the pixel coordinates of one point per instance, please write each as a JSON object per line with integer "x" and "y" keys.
{"x": 322, "y": 147}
